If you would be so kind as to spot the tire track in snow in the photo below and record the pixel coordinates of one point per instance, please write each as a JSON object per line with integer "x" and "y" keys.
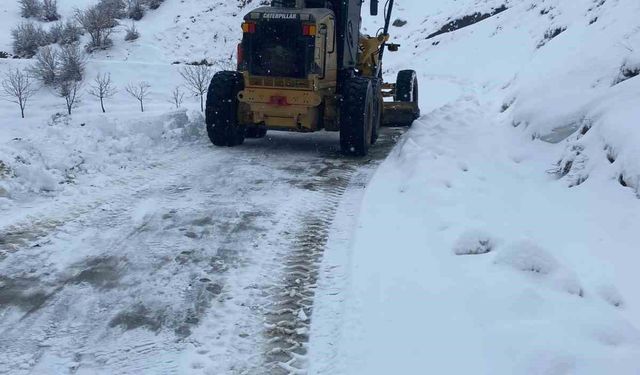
{"x": 290, "y": 308}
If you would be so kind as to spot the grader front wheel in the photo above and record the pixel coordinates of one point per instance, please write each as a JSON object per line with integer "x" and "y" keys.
{"x": 405, "y": 107}
{"x": 357, "y": 116}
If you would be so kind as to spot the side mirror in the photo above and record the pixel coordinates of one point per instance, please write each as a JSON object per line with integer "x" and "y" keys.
{"x": 374, "y": 7}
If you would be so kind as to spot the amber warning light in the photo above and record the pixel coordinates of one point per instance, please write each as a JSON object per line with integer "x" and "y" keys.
{"x": 249, "y": 27}
{"x": 309, "y": 30}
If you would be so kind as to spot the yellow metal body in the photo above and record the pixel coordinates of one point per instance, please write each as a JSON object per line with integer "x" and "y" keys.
{"x": 304, "y": 105}
{"x": 370, "y": 53}
{"x": 312, "y": 104}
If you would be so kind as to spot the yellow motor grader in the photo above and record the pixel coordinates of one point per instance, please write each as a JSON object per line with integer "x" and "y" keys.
{"x": 304, "y": 66}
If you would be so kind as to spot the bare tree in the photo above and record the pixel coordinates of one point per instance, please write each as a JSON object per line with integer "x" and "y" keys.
{"x": 17, "y": 87}
{"x": 102, "y": 89}
{"x": 224, "y": 64}
{"x": 70, "y": 92}
{"x": 197, "y": 78}
{"x": 177, "y": 97}
{"x": 139, "y": 91}
{"x": 98, "y": 22}
{"x": 47, "y": 66}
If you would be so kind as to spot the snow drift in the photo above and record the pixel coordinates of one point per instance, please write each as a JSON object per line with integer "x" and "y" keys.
{"x": 53, "y": 156}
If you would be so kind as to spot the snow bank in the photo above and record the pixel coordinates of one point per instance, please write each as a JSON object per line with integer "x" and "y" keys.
{"x": 546, "y": 99}
{"x": 47, "y": 158}
{"x": 558, "y": 69}
{"x": 585, "y": 79}
{"x": 541, "y": 301}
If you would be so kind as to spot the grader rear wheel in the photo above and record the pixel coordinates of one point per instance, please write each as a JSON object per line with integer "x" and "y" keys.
{"x": 378, "y": 104}
{"x": 222, "y": 109}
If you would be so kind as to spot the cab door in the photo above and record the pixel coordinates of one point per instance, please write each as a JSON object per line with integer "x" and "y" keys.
{"x": 327, "y": 54}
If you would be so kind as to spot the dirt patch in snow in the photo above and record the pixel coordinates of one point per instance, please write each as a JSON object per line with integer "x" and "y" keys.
{"x": 22, "y": 292}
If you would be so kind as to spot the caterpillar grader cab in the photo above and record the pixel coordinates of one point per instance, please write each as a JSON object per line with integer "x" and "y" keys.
{"x": 304, "y": 66}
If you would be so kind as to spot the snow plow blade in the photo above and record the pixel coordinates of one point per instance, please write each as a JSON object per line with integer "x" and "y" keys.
{"x": 400, "y": 113}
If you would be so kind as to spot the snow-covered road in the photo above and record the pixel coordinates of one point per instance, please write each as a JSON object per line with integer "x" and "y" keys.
{"x": 204, "y": 260}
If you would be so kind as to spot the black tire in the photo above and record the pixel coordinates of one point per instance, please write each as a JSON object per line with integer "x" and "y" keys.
{"x": 222, "y": 109}
{"x": 377, "y": 109}
{"x": 356, "y": 116}
{"x": 406, "y": 86}
{"x": 407, "y": 91}
{"x": 256, "y": 132}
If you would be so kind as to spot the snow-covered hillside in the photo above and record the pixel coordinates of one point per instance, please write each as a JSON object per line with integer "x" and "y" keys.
{"x": 43, "y": 156}
{"x": 500, "y": 236}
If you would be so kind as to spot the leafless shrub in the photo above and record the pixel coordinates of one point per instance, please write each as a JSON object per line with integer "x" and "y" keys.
{"x": 628, "y": 70}
{"x": 177, "y": 97}
{"x": 30, "y": 8}
{"x": 154, "y": 4}
{"x": 244, "y": 3}
{"x": 27, "y": 38}
{"x": 197, "y": 79}
{"x": 47, "y": 66}
{"x": 140, "y": 91}
{"x": 71, "y": 33}
{"x": 55, "y": 32}
{"x": 550, "y": 34}
{"x": 135, "y": 11}
{"x": 132, "y": 33}
{"x": 70, "y": 92}
{"x": 115, "y": 8}
{"x": 50, "y": 10}
{"x": 102, "y": 89}
{"x": 17, "y": 87}
{"x": 72, "y": 63}
{"x": 99, "y": 23}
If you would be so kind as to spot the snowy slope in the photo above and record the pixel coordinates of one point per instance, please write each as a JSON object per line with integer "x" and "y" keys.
{"x": 527, "y": 160}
